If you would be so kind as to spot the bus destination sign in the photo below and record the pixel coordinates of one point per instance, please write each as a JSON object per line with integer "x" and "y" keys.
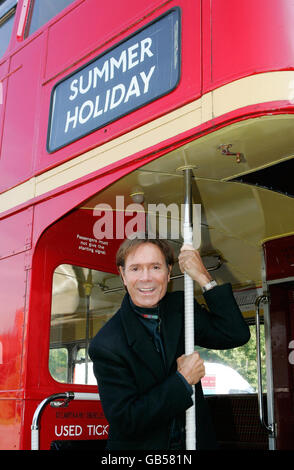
{"x": 137, "y": 71}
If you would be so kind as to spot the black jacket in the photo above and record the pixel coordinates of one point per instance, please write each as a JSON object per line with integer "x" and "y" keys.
{"x": 139, "y": 395}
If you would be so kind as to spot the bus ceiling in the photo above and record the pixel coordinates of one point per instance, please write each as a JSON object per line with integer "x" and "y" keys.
{"x": 236, "y": 218}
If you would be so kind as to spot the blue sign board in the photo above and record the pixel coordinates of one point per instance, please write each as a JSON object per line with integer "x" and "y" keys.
{"x": 137, "y": 71}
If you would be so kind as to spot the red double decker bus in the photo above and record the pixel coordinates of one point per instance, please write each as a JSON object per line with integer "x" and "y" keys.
{"x": 102, "y": 105}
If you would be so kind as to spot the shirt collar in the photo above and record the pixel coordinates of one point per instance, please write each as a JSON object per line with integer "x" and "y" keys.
{"x": 149, "y": 313}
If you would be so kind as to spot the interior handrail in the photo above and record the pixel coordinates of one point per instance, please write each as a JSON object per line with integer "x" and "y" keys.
{"x": 67, "y": 397}
{"x": 269, "y": 427}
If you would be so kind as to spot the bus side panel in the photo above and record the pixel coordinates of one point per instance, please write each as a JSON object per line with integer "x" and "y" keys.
{"x": 95, "y": 29}
{"x": 10, "y": 423}
{"x": 21, "y": 116}
{"x": 12, "y": 301}
{"x": 15, "y": 243}
{"x": 247, "y": 37}
{"x": 3, "y": 85}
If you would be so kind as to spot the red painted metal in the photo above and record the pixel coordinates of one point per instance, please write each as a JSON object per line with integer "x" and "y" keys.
{"x": 13, "y": 322}
{"x": 60, "y": 244}
{"x": 279, "y": 255}
{"x": 222, "y": 41}
{"x": 246, "y": 37}
{"x": 216, "y": 48}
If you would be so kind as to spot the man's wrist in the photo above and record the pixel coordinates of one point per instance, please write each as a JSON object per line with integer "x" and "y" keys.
{"x": 188, "y": 385}
{"x": 202, "y": 279}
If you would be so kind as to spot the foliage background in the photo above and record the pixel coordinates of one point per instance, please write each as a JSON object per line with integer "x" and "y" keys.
{"x": 242, "y": 359}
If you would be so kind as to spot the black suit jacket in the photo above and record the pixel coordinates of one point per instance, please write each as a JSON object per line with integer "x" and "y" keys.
{"x": 140, "y": 395}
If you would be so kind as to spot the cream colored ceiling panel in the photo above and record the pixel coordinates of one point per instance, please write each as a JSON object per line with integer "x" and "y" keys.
{"x": 236, "y": 217}
{"x": 261, "y": 141}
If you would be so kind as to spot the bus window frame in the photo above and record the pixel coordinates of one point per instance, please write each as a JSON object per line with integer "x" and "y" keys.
{"x": 251, "y": 322}
{"x": 29, "y": 16}
{"x": 7, "y": 11}
{"x": 72, "y": 347}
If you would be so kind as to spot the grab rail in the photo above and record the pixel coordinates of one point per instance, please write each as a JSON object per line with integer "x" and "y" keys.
{"x": 270, "y": 428}
{"x": 218, "y": 264}
{"x": 67, "y": 397}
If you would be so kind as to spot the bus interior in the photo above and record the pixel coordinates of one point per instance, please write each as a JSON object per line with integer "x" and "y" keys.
{"x": 237, "y": 218}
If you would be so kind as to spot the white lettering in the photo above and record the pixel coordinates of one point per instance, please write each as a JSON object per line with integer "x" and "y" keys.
{"x": 85, "y": 90}
{"x": 134, "y": 89}
{"x": 122, "y": 89}
{"x": 74, "y": 88}
{"x": 146, "y": 79}
{"x": 111, "y": 98}
{"x": 137, "y": 223}
{"x": 68, "y": 430}
{"x": 117, "y": 63}
{"x": 166, "y": 221}
{"x": 97, "y": 112}
{"x": 99, "y": 73}
{"x": 128, "y": 59}
{"x": 103, "y": 228}
{"x": 70, "y": 119}
{"x": 99, "y": 430}
{"x": 58, "y": 434}
{"x": 114, "y": 460}
{"x": 162, "y": 211}
{"x": 90, "y": 105}
{"x": 119, "y": 215}
{"x": 132, "y": 54}
{"x": 145, "y": 48}
{"x": 106, "y": 101}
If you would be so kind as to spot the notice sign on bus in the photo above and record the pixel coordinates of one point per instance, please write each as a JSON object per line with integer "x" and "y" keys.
{"x": 135, "y": 72}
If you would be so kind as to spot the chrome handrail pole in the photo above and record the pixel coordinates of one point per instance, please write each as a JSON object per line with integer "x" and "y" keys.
{"x": 67, "y": 396}
{"x": 268, "y": 427}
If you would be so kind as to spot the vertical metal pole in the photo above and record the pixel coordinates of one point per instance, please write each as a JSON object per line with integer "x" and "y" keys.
{"x": 189, "y": 307}
{"x": 87, "y": 338}
{"x": 88, "y": 285}
{"x": 269, "y": 426}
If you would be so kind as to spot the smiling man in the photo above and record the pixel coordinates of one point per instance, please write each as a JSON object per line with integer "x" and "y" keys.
{"x": 145, "y": 274}
{"x": 144, "y": 378}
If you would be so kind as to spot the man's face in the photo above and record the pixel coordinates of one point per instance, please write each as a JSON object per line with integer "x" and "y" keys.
{"x": 146, "y": 275}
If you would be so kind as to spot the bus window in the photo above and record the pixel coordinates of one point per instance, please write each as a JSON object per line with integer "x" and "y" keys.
{"x": 233, "y": 371}
{"x": 7, "y": 12}
{"x": 83, "y": 300}
{"x": 42, "y": 11}
{"x": 58, "y": 361}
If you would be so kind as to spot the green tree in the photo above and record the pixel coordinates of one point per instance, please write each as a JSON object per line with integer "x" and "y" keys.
{"x": 242, "y": 359}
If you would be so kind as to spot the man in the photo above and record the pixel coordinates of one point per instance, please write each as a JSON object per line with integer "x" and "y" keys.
{"x": 143, "y": 376}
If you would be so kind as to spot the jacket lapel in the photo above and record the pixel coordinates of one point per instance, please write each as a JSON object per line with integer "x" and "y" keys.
{"x": 172, "y": 325}
{"x": 140, "y": 341}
